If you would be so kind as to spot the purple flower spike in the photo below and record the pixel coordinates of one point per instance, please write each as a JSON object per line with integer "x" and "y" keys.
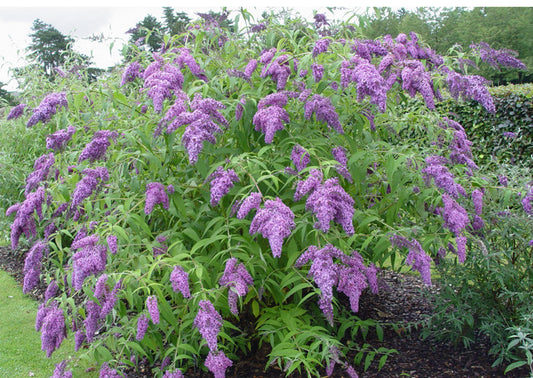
{"x": 275, "y": 222}
{"x": 155, "y": 193}
{"x": 321, "y": 46}
{"x": 455, "y": 216}
{"x": 318, "y": 71}
{"x": 59, "y": 371}
{"x": 52, "y": 326}
{"x": 253, "y": 201}
{"x": 151, "y": 304}
{"x": 221, "y": 183}
{"x": 208, "y": 321}
{"x": 16, "y": 112}
{"x": 324, "y": 112}
{"x": 477, "y": 198}
{"x": 47, "y": 108}
{"x": 217, "y": 363}
{"x": 270, "y": 119}
{"x": 180, "y": 281}
{"x": 134, "y": 70}
{"x": 237, "y": 279}
{"x": 97, "y": 148}
{"x": 417, "y": 257}
{"x": 58, "y": 140}
{"x": 300, "y": 157}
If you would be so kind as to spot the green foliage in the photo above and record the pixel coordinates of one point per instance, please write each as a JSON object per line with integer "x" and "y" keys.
{"x": 522, "y": 338}
{"x": 514, "y": 114}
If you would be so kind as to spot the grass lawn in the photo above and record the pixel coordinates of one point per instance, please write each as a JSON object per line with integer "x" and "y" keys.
{"x": 20, "y": 344}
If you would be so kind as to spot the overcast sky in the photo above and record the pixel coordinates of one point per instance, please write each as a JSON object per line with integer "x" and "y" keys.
{"x": 112, "y": 19}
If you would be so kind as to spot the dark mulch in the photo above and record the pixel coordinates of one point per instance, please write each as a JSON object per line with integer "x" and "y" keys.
{"x": 399, "y": 301}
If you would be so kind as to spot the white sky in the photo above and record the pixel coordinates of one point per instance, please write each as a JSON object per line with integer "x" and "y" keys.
{"x": 113, "y": 19}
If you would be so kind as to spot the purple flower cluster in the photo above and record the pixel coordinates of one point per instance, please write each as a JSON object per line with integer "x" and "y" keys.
{"x": 88, "y": 184}
{"x": 180, "y": 281}
{"x": 41, "y": 169}
{"x": 253, "y": 201}
{"x": 417, "y": 257}
{"x": 275, "y": 222}
{"x": 24, "y": 221}
{"x": 496, "y": 58}
{"x": 477, "y": 199}
{"x": 153, "y": 310}
{"x": 415, "y": 79}
{"x": 112, "y": 244}
{"x": 32, "y": 266}
{"x": 442, "y": 177}
{"x": 186, "y": 59}
{"x": 348, "y": 273}
{"x": 107, "y": 372}
{"x": 47, "y": 108}
{"x": 51, "y": 322}
{"x": 324, "y": 112}
{"x": 90, "y": 259}
{"x": 59, "y": 371}
{"x": 51, "y": 291}
{"x": 161, "y": 80}
{"x": 368, "y": 80}
{"x": 97, "y": 148}
{"x": 460, "y": 146}
{"x": 142, "y": 327}
{"x": 161, "y": 239}
{"x": 237, "y": 279}
{"x": 277, "y": 68}
{"x": 16, "y": 112}
{"x": 58, "y": 140}
{"x": 321, "y": 46}
{"x": 339, "y": 153}
{"x": 221, "y": 183}
{"x": 133, "y": 71}
{"x": 173, "y": 374}
{"x": 320, "y": 20}
{"x": 217, "y": 363}
{"x": 208, "y": 321}
{"x": 527, "y": 201}
{"x": 155, "y": 193}
{"x": 300, "y": 157}
{"x": 258, "y": 27}
{"x": 455, "y": 216}
{"x": 318, "y": 71}
{"x": 269, "y": 119}
{"x": 470, "y": 87}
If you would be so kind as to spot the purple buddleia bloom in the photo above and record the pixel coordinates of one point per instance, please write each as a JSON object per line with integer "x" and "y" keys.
{"x": 160, "y": 81}
{"x": 250, "y": 68}
{"x": 496, "y": 58}
{"x": 59, "y": 371}
{"x": 503, "y": 180}
{"x": 100, "y": 287}
{"x": 133, "y": 71}
{"x": 24, "y": 221}
{"x": 308, "y": 185}
{"x": 269, "y": 120}
{"x": 47, "y": 108}
{"x": 461, "y": 248}
{"x": 339, "y": 153}
{"x": 142, "y": 326}
{"x": 110, "y": 299}
{"x": 321, "y": 46}
{"x": 237, "y": 279}
{"x": 477, "y": 223}
{"x": 442, "y": 177}
{"x": 53, "y": 331}
{"x": 88, "y": 184}
{"x": 161, "y": 239}
{"x": 477, "y": 199}
{"x": 509, "y": 134}
{"x": 330, "y": 202}
{"x": 239, "y": 108}
{"x": 258, "y": 27}
{"x": 97, "y": 148}
{"x": 58, "y": 140}
{"x": 217, "y": 363}
{"x": 221, "y": 183}
{"x": 278, "y": 99}
{"x": 112, "y": 244}
{"x": 91, "y": 320}
{"x": 151, "y": 304}
{"x": 275, "y": 222}
{"x": 318, "y": 71}
{"x": 89, "y": 260}
{"x": 267, "y": 55}
{"x": 417, "y": 257}
{"x": 180, "y": 281}
{"x": 368, "y": 79}
{"x": 16, "y": 112}
{"x": 320, "y": 20}
{"x": 300, "y": 157}
{"x": 155, "y": 193}
{"x": 416, "y": 79}
{"x": 171, "y": 121}
{"x": 208, "y": 321}
{"x": 32, "y": 266}
{"x": 51, "y": 291}
{"x": 173, "y": 374}
{"x": 253, "y": 201}
{"x": 351, "y": 372}
{"x": 186, "y": 59}
{"x": 41, "y": 170}
{"x": 470, "y": 87}
{"x": 527, "y": 201}
{"x": 455, "y": 216}
{"x": 107, "y": 372}
{"x": 210, "y": 107}
{"x": 279, "y": 70}
{"x": 324, "y": 112}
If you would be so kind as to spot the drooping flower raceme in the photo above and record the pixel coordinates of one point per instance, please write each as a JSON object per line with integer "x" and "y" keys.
{"x": 253, "y": 201}
{"x": 417, "y": 257}
{"x": 324, "y": 111}
{"x": 132, "y": 71}
{"x": 321, "y": 46}
{"x": 300, "y": 157}
{"x": 217, "y": 363}
{"x": 24, "y": 221}
{"x": 153, "y": 310}
{"x": 51, "y": 322}
{"x": 339, "y": 153}
{"x": 88, "y": 184}
{"x": 16, "y": 112}
{"x": 275, "y": 222}
{"x": 455, "y": 216}
{"x": 270, "y": 119}
{"x": 368, "y": 80}
{"x": 90, "y": 259}
{"x": 47, "y": 108}
{"x": 221, "y": 182}
{"x": 442, "y": 177}
{"x": 32, "y": 266}
{"x": 208, "y": 321}
{"x": 58, "y": 140}
{"x": 97, "y": 148}
{"x": 161, "y": 80}
{"x": 142, "y": 327}
{"x": 496, "y": 58}
{"x": 155, "y": 193}
{"x": 237, "y": 279}
{"x": 41, "y": 169}
{"x": 180, "y": 281}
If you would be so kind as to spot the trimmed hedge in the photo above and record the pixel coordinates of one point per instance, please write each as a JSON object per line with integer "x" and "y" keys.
{"x": 507, "y": 135}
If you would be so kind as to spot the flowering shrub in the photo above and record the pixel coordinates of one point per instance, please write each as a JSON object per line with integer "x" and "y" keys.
{"x": 157, "y": 246}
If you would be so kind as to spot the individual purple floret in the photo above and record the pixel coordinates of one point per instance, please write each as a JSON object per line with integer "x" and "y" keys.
{"x": 155, "y": 193}
{"x": 47, "y": 108}
{"x": 318, "y": 71}
{"x": 217, "y": 363}
{"x": 151, "y": 304}
{"x": 300, "y": 157}
{"x": 275, "y": 222}
{"x": 324, "y": 112}
{"x": 269, "y": 120}
{"x": 180, "y": 281}
{"x": 330, "y": 202}
{"x": 455, "y": 216}
{"x": 58, "y": 140}
{"x": 16, "y": 112}
{"x": 24, "y": 221}
{"x": 97, "y": 148}
{"x": 321, "y": 46}
{"x": 41, "y": 170}
{"x": 133, "y": 71}
{"x": 59, "y": 371}
{"x": 208, "y": 321}
{"x": 51, "y": 323}
{"x": 32, "y": 266}
{"x": 253, "y": 201}
{"x": 237, "y": 279}
{"x": 221, "y": 182}
{"x": 417, "y": 257}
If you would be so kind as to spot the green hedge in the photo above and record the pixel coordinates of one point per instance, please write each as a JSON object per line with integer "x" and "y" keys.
{"x": 488, "y": 132}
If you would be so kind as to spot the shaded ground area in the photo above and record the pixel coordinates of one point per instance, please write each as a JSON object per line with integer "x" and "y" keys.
{"x": 399, "y": 301}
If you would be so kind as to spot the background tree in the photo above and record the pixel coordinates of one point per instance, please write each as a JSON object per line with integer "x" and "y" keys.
{"x": 175, "y": 22}
{"x": 6, "y": 98}
{"x": 148, "y": 33}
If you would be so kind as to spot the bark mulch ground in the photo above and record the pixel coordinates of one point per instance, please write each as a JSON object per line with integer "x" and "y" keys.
{"x": 399, "y": 302}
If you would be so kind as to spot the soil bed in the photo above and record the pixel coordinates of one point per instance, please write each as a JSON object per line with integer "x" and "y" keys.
{"x": 399, "y": 302}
